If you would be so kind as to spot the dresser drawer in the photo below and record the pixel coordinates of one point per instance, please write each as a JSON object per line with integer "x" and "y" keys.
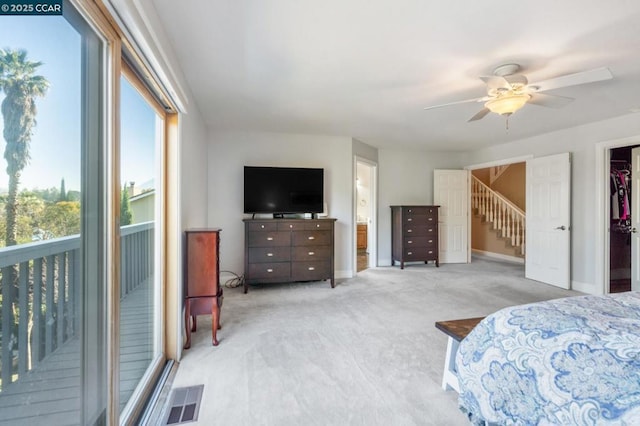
{"x": 420, "y": 253}
{"x": 320, "y": 226}
{"x": 311, "y": 238}
{"x": 310, "y": 271}
{"x": 419, "y": 230}
{"x": 311, "y": 253}
{"x": 269, "y": 254}
{"x": 262, "y": 226}
{"x": 418, "y": 210}
{"x": 289, "y": 226}
{"x": 269, "y": 239}
{"x": 276, "y": 270}
{"x": 413, "y": 242}
{"x": 419, "y": 220}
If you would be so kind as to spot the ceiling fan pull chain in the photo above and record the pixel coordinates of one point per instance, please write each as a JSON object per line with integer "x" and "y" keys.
{"x": 507, "y": 120}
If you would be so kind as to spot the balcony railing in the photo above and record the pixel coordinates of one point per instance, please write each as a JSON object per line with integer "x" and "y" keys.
{"x": 41, "y": 290}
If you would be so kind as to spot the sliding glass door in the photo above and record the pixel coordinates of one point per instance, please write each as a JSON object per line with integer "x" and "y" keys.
{"x": 81, "y": 222}
{"x": 53, "y": 364}
{"x": 141, "y": 141}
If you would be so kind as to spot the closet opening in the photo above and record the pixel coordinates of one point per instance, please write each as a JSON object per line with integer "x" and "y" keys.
{"x": 622, "y": 247}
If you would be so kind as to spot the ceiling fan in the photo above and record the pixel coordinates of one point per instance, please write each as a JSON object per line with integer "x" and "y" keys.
{"x": 508, "y": 91}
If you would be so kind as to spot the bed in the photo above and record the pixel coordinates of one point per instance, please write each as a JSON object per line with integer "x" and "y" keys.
{"x": 571, "y": 361}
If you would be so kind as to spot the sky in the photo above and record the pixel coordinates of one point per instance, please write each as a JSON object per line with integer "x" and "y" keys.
{"x": 55, "y": 145}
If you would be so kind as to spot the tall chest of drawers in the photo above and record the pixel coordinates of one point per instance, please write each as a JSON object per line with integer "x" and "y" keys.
{"x": 288, "y": 250}
{"x": 414, "y": 234}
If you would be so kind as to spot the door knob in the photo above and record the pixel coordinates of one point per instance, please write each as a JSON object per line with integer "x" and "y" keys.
{"x": 562, "y": 228}
{"x": 634, "y": 230}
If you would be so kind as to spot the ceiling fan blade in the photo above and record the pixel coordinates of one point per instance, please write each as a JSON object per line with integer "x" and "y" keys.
{"x": 598, "y": 74}
{"x": 457, "y": 102}
{"x": 479, "y": 115}
{"x": 496, "y": 82}
{"x": 551, "y": 101}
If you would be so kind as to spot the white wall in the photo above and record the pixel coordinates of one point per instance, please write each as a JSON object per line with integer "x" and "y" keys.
{"x": 194, "y": 167}
{"x": 230, "y": 152}
{"x": 406, "y": 177}
{"x": 581, "y": 143}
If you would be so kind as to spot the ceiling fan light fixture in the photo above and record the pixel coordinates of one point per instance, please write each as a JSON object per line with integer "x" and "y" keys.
{"x": 508, "y": 104}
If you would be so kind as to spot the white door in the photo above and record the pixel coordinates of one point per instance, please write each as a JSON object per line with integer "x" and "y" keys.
{"x": 451, "y": 193}
{"x": 635, "y": 219}
{"x": 548, "y": 224}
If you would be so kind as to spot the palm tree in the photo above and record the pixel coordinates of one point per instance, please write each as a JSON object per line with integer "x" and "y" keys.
{"x": 21, "y": 86}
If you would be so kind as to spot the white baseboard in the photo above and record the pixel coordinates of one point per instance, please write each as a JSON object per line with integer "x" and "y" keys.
{"x": 343, "y": 274}
{"x": 491, "y": 255}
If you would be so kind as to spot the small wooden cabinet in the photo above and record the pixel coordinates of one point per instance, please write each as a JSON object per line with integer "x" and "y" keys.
{"x": 202, "y": 291}
{"x": 362, "y": 236}
{"x": 287, "y": 250}
{"x": 414, "y": 234}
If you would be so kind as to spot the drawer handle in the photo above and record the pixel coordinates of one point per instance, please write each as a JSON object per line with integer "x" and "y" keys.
{"x": 409, "y": 210}
{"x": 311, "y": 268}
{"x": 430, "y": 241}
{"x": 262, "y": 226}
{"x": 290, "y": 226}
{"x": 312, "y": 237}
{"x": 409, "y": 220}
{"x": 317, "y": 225}
{"x": 311, "y": 253}
{"x": 409, "y": 230}
{"x": 269, "y": 238}
{"x": 409, "y": 242}
{"x": 409, "y": 253}
{"x": 269, "y": 254}
{"x": 430, "y": 219}
{"x": 430, "y": 252}
{"x": 430, "y": 229}
{"x": 269, "y": 270}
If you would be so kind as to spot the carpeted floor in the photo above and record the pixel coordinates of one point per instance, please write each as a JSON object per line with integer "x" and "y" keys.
{"x": 363, "y": 353}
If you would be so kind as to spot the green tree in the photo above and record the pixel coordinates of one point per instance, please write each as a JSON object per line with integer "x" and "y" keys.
{"x": 126, "y": 216}
{"x": 60, "y": 219}
{"x": 21, "y": 87}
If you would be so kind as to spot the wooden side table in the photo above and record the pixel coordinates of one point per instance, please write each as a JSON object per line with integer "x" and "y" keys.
{"x": 456, "y": 330}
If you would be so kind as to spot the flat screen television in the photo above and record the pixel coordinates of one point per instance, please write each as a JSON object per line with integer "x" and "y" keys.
{"x": 283, "y": 190}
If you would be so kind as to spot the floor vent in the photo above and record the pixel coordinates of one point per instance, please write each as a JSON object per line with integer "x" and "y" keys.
{"x": 184, "y": 405}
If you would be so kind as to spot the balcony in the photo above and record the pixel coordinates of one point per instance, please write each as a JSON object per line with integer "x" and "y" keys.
{"x": 41, "y": 328}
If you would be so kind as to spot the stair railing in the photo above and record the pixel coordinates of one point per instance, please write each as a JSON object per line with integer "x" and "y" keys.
{"x": 505, "y": 216}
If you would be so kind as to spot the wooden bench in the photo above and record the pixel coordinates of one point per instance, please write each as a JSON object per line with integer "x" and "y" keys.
{"x": 456, "y": 330}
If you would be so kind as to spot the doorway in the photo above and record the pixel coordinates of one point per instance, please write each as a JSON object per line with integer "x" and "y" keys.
{"x": 621, "y": 218}
{"x": 365, "y": 201}
{"x": 499, "y": 198}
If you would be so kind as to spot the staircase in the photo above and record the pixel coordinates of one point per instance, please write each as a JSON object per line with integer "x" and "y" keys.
{"x": 506, "y": 217}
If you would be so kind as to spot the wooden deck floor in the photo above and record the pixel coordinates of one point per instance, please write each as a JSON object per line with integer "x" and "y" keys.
{"x": 51, "y": 393}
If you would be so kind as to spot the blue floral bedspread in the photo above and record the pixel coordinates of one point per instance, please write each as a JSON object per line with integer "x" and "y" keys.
{"x": 571, "y": 361}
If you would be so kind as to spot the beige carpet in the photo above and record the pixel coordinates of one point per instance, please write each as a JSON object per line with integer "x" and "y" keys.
{"x": 363, "y": 353}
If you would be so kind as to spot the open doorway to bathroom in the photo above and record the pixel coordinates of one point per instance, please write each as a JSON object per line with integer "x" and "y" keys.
{"x": 365, "y": 215}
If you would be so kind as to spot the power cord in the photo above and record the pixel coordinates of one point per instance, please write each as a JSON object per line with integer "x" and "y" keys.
{"x": 237, "y": 281}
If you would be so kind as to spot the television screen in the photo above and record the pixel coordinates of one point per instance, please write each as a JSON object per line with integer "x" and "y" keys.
{"x": 280, "y": 190}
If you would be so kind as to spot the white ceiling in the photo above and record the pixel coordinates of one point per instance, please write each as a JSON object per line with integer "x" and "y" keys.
{"x": 367, "y": 68}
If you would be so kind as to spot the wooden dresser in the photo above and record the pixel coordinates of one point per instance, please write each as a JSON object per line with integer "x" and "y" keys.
{"x": 287, "y": 250}
{"x": 414, "y": 234}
